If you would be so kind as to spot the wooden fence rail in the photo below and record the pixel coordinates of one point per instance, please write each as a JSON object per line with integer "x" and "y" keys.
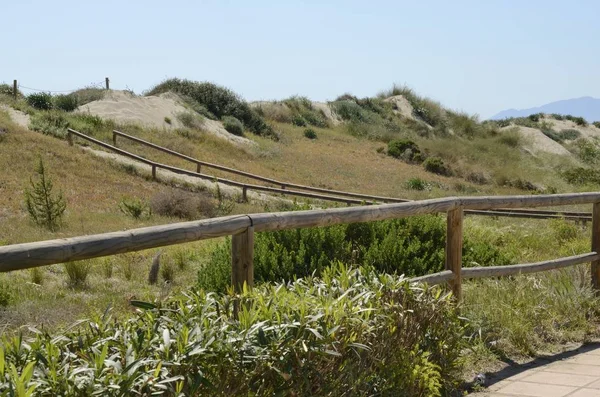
{"x": 501, "y": 212}
{"x": 243, "y": 227}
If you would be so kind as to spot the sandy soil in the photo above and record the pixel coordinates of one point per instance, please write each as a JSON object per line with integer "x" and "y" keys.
{"x": 330, "y": 115}
{"x": 588, "y": 132}
{"x": 536, "y": 141}
{"x": 151, "y": 111}
{"x": 403, "y": 107}
{"x": 20, "y": 118}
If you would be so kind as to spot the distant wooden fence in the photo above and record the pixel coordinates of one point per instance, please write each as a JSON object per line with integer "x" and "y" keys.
{"x": 332, "y": 195}
{"x": 243, "y": 227}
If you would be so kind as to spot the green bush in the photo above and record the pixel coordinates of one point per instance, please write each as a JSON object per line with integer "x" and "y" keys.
{"x": 535, "y": 117}
{"x": 577, "y": 120}
{"x": 557, "y": 116}
{"x": 135, "y": 207}
{"x": 405, "y": 149}
{"x": 298, "y": 120}
{"x": 596, "y": 124}
{"x": 351, "y": 332}
{"x": 233, "y": 125}
{"x": 510, "y": 138}
{"x": 6, "y": 296}
{"x": 7, "y": 90}
{"x": 582, "y": 176}
{"x": 180, "y": 204}
{"x": 588, "y": 151}
{"x": 437, "y": 166}
{"x": 217, "y": 100}
{"x": 417, "y": 184}
{"x": 412, "y": 246}
{"x": 310, "y": 133}
{"x": 302, "y": 109}
{"x": 40, "y": 101}
{"x": 351, "y": 111}
{"x": 88, "y": 94}
{"x": 569, "y": 134}
{"x": 68, "y": 103}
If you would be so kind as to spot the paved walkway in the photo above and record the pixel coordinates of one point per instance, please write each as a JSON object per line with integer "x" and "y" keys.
{"x": 574, "y": 376}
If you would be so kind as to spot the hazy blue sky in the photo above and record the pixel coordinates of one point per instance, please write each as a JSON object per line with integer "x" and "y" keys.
{"x": 477, "y": 56}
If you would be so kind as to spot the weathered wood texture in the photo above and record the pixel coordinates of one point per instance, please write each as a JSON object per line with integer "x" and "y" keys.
{"x": 434, "y": 278}
{"x": 454, "y": 243}
{"x": 595, "y": 266}
{"x": 15, "y": 89}
{"x": 242, "y": 259}
{"x": 498, "y": 271}
{"x": 27, "y": 255}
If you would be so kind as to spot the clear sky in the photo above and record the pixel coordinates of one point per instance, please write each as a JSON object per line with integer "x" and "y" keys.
{"x": 478, "y": 56}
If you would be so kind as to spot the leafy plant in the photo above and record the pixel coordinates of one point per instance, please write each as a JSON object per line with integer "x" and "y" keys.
{"x": 417, "y": 184}
{"x": 405, "y": 149}
{"x": 177, "y": 203}
{"x": 6, "y": 295}
{"x": 437, "y": 166}
{"x": 352, "y": 332}
{"x": 596, "y": 124}
{"x": 44, "y": 208}
{"x": 577, "y": 120}
{"x": 68, "y": 103}
{"x": 37, "y": 275}
{"x": 135, "y": 207}
{"x": 310, "y": 133}
{"x": 40, "y": 101}
{"x": 299, "y": 121}
{"x": 233, "y": 125}
{"x": 167, "y": 271}
{"x": 168, "y": 120}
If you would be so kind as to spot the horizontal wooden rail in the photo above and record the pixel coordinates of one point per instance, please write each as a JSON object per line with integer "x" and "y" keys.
{"x": 244, "y": 186}
{"x": 498, "y": 271}
{"x": 516, "y": 213}
{"x": 434, "y": 278}
{"x": 259, "y": 177}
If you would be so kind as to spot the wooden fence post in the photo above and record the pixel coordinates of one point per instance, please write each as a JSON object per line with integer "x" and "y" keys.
{"x": 107, "y": 83}
{"x": 69, "y": 138}
{"x": 198, "y": 168}
{"x": 454, "y": 243}
{"x": 245, "y": 194}
{"x": 153, "y": 171}
{"x": 15, "y": 89}
{"x": 242, "y": 259}
{"x": 596, "y": 246}
{"x": 114, "y": 139}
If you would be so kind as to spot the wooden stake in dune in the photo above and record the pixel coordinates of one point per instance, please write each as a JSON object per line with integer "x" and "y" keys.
{"x": 242, "y": 259}
{"x": 15, "y": 89}
{"x": 596, "y": 247}
{"x": 107, "y": 83}
{"x": 454, "y": 243}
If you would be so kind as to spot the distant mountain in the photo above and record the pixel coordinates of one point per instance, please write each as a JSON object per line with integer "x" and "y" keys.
{"x": 586, "y": 107}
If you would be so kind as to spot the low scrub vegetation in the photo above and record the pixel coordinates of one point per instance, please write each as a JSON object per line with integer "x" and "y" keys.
{"x": 406, "y": 150}
{"x": 303, "y": 111}
{"x": 310, "y": 133}
{"x": 219, "y": 101}
{"x": 437, "y": 166}
{"x": 233, "y": 125}
{"x": 183, "y": 205}
{"x": 40, "y": 101}
{"x": 412, "y": 246}
{"x": 350, "y": 331}
{"x": 45, "y": 207}
{"x": 135, "y": 207}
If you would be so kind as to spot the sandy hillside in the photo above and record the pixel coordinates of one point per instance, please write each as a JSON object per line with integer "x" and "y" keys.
{"x": 589, "y": 131}
{"x": 403, "y": 107}
{"x": 536, "y": 141}
{"x": 20, "y": 118}
{"x": 279, "y": 111}
{"x": 151, "y": 111}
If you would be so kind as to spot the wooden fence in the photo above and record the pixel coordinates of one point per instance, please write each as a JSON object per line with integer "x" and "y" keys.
{"x": 332, "y": 195}
{"x": 243, "y": 227}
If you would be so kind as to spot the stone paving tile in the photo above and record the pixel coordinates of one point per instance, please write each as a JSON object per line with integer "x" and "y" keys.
{"x": 595, "y": 385}
{"x": 586, "y": 359}
{"x": 520, "y": 388}
{"x": 553, "y": 378}
{"x": 572, "y": 368}
{"x": 586, "y": 393}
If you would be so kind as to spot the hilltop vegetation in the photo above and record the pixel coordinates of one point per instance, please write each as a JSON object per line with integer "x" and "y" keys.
{"x": 322, "y": 294}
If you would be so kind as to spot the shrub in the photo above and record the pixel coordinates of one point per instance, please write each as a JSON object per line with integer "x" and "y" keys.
{"x": 569, "y": 134}
{"x": 405, "y": 149}
{"x": 167, "y": 271}
{"x": 44, "y": 208}
{"x": 7, "y": 90}
{"x": 577, "y": 120}
{"x": 233, "y": 125}
{"x": 596, "y": 124}
{"x": 352, "y": 332}
{"x": 581, "y": 176}
{"x": 557, "y": 116}
{"x": 77, "y": 272}
{"x": 587, "y": 151}
{"x": 477, "y": 177}
{"x": 351, "y": 111}
{"x": 310, "y": 133}
{"x": 219, "y": 101}
{"x": 535, "y": 117}
{"x": 68, "y": 103}
{"x": 135, "y": 207}
{"x": 40, "y": 101}
{"x": 298, "y": 120}
{"x": 168, "y": 120}
{"x": 302, "y": 110}
{"x": 417, "y": 184}
{"x": 50, "y": 123}
{"x": 107, "y": 267}
{"x": 511, "y": 138}
{"x": 181, "y": 204}
{"x": 411, "y": 246}
{"x": 437, "y": 166}
{"x": 189, "y": 120}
